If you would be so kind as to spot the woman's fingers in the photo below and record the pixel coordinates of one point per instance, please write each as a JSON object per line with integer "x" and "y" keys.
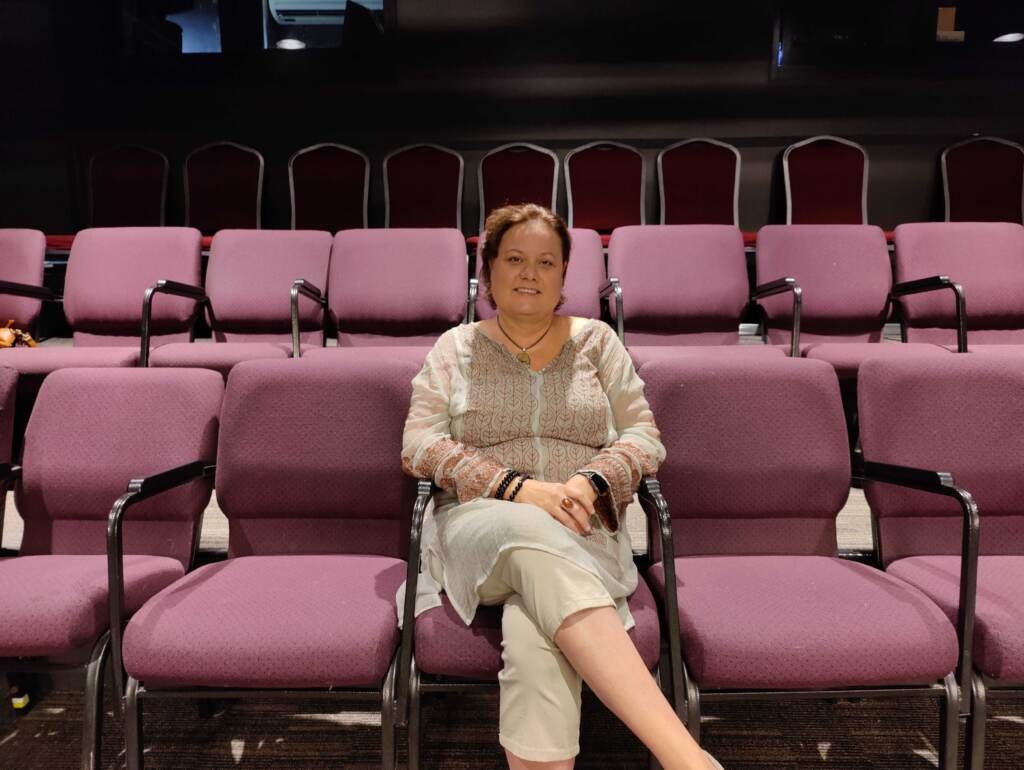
{"x": 564, "y": 518}
{"x": 578, "y": 513}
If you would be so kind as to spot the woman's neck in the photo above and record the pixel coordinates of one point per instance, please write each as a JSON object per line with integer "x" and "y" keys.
{"x": 524, "y": 330}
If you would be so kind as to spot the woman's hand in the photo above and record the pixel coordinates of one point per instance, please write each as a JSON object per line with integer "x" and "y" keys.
{"x": 549, "y": 496}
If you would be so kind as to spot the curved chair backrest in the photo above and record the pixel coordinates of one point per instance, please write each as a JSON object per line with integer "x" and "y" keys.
{"x": 699, "y": 183}
{"x": 398, "y": 286}
{"x": 681, "y": 284}
{"x": 91, "y": 432}
{"x": 826, "y": 182}
{"x": 757, "y": 460}
{"x": 845, "y": 275}
{"x": 423, "y": 187}
{"x": 517, "y": 173}
{"x": 606, "y": 186}
{"x": 983, "y": 180}
{"x": 333, "y": 429}
{"x": 249, "y": 279}
{"x": 223, "y": 187}
{"x": 986, "y": 258}
{"x": 22, "y": 253}
{"x": 127, "y": 187}
{"x": 330, "y": 187}
{"x": 957, "y": 414}
{"x": 109, "y": 270}
{"x": 583, "y": 279}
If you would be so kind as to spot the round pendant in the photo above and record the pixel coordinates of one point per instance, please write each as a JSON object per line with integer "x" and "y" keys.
{"x": 523, "y": 357}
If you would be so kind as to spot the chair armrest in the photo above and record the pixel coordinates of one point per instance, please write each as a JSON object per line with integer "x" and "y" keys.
{"x": 941, "y": 483}
{"x": 781, "y": 286}
{"x": 28, "y": 290}
{"x": 306, "y": 289}
{"x": 474, "y": 291}
{"x": 163, "y": 287}
{"x": 8, "y": 475}
{"x": 138, "y": 490}
{"x": 938, "y": 283}
{"x": 613, "y": 285}
{"x": 424, "y": 491}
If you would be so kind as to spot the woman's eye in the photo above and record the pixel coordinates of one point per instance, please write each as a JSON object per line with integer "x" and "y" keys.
{"x": 548, "y": 263}
{"x": 513, "y": 258}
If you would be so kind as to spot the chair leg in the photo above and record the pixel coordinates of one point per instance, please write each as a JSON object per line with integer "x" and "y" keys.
{"x": 92, "y": 720}
{"x": 133, "y": 725}
{"x": 413, "y": 733}
{"x": 975, "y": 759}
{"x": 949, "y": 725}
{"x": 692, "y": 706}
{"x": 387, "y": 718}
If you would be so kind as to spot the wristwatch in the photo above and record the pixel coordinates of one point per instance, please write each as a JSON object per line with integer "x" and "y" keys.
{"x": 597, "y": 481}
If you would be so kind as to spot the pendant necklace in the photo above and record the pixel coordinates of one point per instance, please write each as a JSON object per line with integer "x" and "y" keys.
{"x": 523, "y": 355}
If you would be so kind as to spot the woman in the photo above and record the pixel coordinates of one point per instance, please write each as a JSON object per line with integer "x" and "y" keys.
{"x": 535, "y": 426}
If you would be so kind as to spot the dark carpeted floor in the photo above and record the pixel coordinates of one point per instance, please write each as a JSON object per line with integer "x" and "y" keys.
{"x": 460, "y": 733}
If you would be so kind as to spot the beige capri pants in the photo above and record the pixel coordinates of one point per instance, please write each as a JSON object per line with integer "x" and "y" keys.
{"x": 540, "y": 691}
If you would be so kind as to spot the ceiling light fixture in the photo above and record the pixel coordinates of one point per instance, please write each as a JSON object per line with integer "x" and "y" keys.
{"x": 1009, "y": 37}
{"x": 290, "y": 44}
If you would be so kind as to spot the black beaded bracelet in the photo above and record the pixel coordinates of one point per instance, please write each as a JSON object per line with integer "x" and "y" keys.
{"x": 522, "y": 480}
{"x": 503, "y": 486}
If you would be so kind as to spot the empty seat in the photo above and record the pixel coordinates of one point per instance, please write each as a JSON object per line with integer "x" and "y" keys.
{"x": 22, "y": 253}
{"x": 330, "y": 187}
{"x": 757, "y": 600}
{"x": 605, "y": 183}
{"x": 249, "y": 281}
{"x": 223, "y": 187}
{"x": 127, "y": 187}
{"x": 826, "y": 182}
{"x": 91, "y": 433}
{"x": 423, "y": 187}
{"x": 699, "y": 183}
{"x": 517, "y": 173}
{"x": 983, "y": 180}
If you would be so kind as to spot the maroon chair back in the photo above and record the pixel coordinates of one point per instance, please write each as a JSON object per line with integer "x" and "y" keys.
{"x": 223, "y": 187}
{"x": 583, "y": 278}
{"x": 983, "y": 180}
{"x": 606, "y": 187}
{"x": 319, "y": 471}
{"x": 986, "y": 258}
{"x": 958, "y": 414}
{"x": 91, "y": 432}
{"x": 330, "y": 187}
{"x": 127, "y": 187}
{"x": 22, "y": 253}
{"x": 517, "y": 173}
{"x": 757, "y": 460}
{"x": 826, "y": 182}
{"x": 699, "y": 183}
{"x": 845, "y": 275}
{"x": 423, "y": 187}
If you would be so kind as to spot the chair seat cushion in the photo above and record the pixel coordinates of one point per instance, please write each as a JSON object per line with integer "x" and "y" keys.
{"x": 447, "y": 646}
{"x": 414, "y": 353}
{"x": 805, "y": 622}
{"x": 56, "y": 604}
{"x": 641, "y": 354}
{"x": 46, "y": 359}
{"x": 847, "y": 357}
{"x": 219, "y": 356}
{"x": 271, "y": 622}
{"x": 993, "y": 349}
{"x": 999, "y": 611}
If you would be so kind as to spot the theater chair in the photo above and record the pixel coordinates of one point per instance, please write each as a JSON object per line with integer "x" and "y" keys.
{"x": 984, "y": 261}
{"x": 396, "y": 287}
{"x": 423, "y": 187}
{"x": 22, "y": 253}
{"x": 699, "y": 183}
{"x": 223, "y": 187}
{"x": 584, "y": 279}
{"x": 127, "y": 187}
{"x": 605, "y": 184}
{"x": 249, "y": 298}
{"x": 330, "y": 187}
{"x": 8, "y": 389}
{"x": 681, "y": 290}
{"x": 962, "y": 415}
{"x": 517, "y": 173}
{"x": 826, "y": 182}
{"x": 304, "y": 605}
{"x": 757, "y": 604}
{"x": 91, "y": 432}
{"x": 983, "y": 180}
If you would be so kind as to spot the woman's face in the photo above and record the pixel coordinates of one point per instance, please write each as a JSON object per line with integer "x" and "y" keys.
{"x": 526, "y": 276}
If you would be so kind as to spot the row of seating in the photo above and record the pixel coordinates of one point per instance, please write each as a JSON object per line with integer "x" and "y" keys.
{"x": 744, "y": 593}
{"x": 826, "y": 180}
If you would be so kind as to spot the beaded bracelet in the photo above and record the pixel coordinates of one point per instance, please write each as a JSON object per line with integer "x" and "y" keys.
{"x": 522, "y": 480}
{"x": 503, "y": 486}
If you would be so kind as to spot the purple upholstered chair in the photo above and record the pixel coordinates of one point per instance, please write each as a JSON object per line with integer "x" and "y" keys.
{"x": 961, "y": 415}
{"x": 397, "y": 286}
{"x": 680, "y": 290}
{"x": 91, "y": 432}
{"x": 983, "y": 263}
{"x": 583, "y": 279}
{"x": 249, "y": 282}
{"x": 826, "y": 182}
{"x": 22, "y": 253}
{"x": 319, "y": 529}
{"x": 756, "y": 599}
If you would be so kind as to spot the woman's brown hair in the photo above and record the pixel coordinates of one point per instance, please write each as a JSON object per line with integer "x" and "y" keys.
{"x": 498, "y": 223}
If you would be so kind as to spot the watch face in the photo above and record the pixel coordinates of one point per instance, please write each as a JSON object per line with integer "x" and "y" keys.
{"x": 598, "y": 481}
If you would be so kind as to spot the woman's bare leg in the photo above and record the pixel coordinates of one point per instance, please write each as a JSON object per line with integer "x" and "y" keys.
{"x": 518, "y": 763}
